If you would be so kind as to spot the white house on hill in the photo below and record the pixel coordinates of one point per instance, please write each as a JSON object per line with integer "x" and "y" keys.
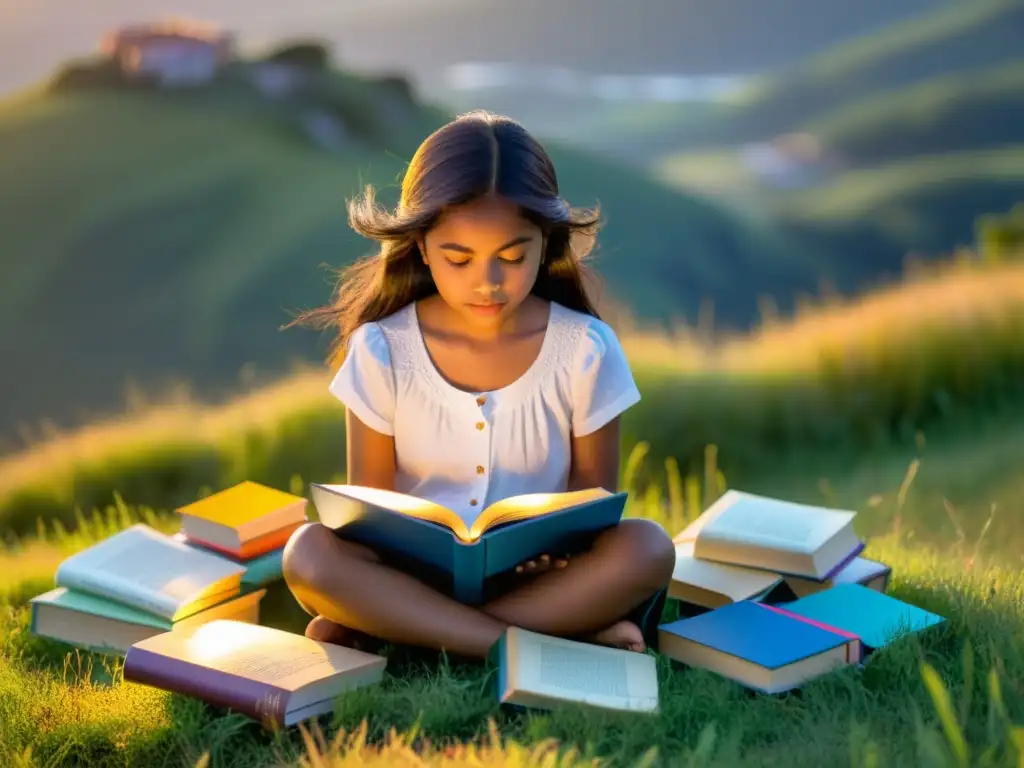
{"x": 175, "y": 53}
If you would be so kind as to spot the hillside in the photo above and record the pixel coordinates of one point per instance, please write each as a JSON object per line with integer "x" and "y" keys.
{"x": 926, "y": 204}
{"x": 959, "y": 39}
{"x": 979, "y": 110}
{"x": 166, "y": 235}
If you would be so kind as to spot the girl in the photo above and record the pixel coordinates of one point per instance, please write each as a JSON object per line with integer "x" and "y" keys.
{"x": 473, "y": 367}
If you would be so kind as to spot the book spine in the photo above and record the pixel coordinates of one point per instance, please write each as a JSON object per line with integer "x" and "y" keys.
{"x": 262, "y": 702}
{"x": 843, "y": 563}
{"x": 468, "y": 561}
{"x": 857, "y": 644}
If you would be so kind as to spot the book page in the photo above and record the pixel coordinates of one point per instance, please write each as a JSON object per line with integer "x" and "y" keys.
{"x": 402, "y": 503}
{"x": 142, "y": 567}
{"x": 774, "y": 523}
{"x": 569, "y": 670}
{"x": 264, "y": 654}
{"x": 532, "y": 505}
{"x": 578, "y": 672}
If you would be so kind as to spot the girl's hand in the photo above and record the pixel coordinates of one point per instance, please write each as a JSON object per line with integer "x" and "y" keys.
{"x": 541, "y": 564}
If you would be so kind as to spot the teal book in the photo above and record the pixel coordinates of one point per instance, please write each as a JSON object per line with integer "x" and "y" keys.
{"x": 103, "y": 625}
{"x": 263, "y": 570}
{"x": 462, "y": 560}
{"x": 876, "y": 618}
{"x": 259, "y": 571}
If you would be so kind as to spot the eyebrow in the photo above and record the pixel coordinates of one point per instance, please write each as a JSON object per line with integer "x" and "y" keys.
{"x": 463, "y": 249}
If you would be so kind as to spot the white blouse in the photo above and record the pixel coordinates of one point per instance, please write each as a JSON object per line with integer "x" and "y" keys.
{"x": 466, "y": 450}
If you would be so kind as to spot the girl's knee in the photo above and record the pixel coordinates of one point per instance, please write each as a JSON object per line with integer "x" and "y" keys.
{"x": 649, "y": 548}
{"x": 304, "y": 549}
{"x": 313, "y": 550}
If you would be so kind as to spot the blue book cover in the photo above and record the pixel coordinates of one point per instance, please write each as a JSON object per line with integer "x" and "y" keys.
{"x": 755, "y": 633}
{"x": 875, "y": 617}
{"x": 423, "y": 537}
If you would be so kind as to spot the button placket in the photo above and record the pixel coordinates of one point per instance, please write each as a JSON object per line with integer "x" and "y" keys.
{"x": 483, "y": 452}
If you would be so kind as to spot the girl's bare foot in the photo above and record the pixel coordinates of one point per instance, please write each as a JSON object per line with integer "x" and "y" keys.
{"x": 326, "y": 631}
{"x": 621, "y": 634}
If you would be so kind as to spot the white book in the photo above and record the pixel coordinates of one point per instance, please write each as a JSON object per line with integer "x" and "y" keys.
{"x": 146, "y": 569}
{"x": 780, "y": 536}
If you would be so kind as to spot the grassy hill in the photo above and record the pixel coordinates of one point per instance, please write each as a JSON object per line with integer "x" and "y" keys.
{"x": 154, "y": 235}
{"x": 960, "y": 39}
{"x": 855, "y": 382}
{"x": 973, "y": 111}
{"x": 905, "y": 405}
{"x": 926, "y": 205}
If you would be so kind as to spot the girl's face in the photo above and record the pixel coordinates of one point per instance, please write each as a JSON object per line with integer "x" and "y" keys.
{"x": 484, "y": 258}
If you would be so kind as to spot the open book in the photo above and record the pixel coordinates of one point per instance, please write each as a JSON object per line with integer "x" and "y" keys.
{"x": 500, "y": 512}
{"x": 506, "y": 533}
{"x": 538, "y": 671}
{"x": 275, "y": 677}
{"x": 146, "y": 569}
{"x": 784, "y": 537}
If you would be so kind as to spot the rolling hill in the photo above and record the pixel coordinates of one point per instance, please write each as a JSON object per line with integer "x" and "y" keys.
{"x": 961, "y": 39}
{"x": 927, "y": 205}
{"x": 151, "y": 236}
{"x": 979, "y": 110}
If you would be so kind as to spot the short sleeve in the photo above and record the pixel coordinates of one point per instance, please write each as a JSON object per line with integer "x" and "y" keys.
{"x": 603, "y": 385}
{"x": 365, "y": 383}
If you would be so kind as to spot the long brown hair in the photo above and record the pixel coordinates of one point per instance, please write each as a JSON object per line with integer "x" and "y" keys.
{"x": 476, "y": 154}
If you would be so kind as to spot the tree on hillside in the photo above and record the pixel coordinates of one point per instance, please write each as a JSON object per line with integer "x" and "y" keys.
{"x": 310, "y": 54}
{"x": 1001, "y": 234}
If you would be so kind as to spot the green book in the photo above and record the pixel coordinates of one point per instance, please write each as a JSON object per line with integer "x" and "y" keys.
{"x": 102, "y": 625}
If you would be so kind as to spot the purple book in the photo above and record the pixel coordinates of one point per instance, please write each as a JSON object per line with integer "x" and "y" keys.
{"x": 275, "y": 677}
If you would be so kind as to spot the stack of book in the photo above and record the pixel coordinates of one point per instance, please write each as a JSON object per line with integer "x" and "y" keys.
{"x": 774, "y": 593}
{"x": 247, "y": 524}
{"x": 136, "y": 584}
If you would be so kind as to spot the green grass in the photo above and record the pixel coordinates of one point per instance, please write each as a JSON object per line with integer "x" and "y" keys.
{"x": 903, "y": 405}
{"x": 60, "y": 706}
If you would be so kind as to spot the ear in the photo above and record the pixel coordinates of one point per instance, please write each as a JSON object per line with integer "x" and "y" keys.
{"x": 421, "y": 243}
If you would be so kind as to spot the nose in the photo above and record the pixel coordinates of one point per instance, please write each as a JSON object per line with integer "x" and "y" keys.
{"x": 490, "y": 278}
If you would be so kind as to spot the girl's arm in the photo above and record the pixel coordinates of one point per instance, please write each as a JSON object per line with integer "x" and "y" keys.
{"x": 370, "y": 455}
{"x": 595, "y": 459}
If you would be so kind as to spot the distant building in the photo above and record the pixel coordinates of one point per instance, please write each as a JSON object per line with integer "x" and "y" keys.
{"x": 792, "y": 160}
{"x": 174, "y": 53}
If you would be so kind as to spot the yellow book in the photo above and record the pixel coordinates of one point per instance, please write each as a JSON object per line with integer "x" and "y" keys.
{"x": 241, "y": 513}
